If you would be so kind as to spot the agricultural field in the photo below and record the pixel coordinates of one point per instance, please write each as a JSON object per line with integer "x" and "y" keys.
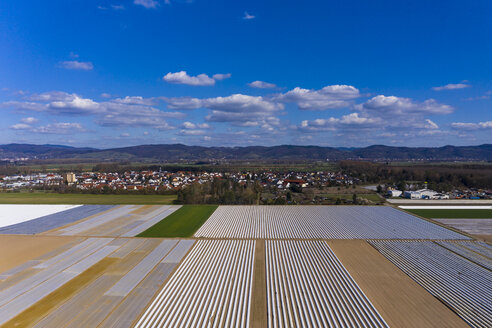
{"x": 461, "y": 284}
{"x": 87, "y": 199}
{"x": 448, "y": 213}
{"x": 182, "y": 223}
{"x": 238, "y": 266}
{"x": 325, "y": 222}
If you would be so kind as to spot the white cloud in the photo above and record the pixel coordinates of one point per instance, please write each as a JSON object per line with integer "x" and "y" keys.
{"x": 125, "y": 134}
{"x": 242, "y": 110}
{"x": 220, "y": 77}
{"x": 21, "y": 126}
{"x": 77, "y": 65}
{"x": 118, "y": 7}
{"x": 200, "y": 80}
{"x": 136, "y": 100}
{"x": 128, "y": 111}
{"x": 207, "y": 138}
{"x": 29, "y": 120}
{"x": 147, "y": 3}
{"x": 452, "y": 86}
{"x": 183, "y": 78}
{"x": 248, "y": 16}
{"x": 192, "y": 132}
{"x": 350, "y": 121}
{"x": 262, "y": 85}
{"x": 242, "y": 103}
{"x": 329, "y": 97}
{"x": 25, "y": 105}
{"x": 77, "y": 106}
{"x": 52, "y": 96}
{"x": 105, "y": 95}
{"x": 472, "y": 126}
{"x": 190, "y": 125}
{"x": 60, "y": 128}
{"x": 183, "y": 103}
{"x": 391, "y": 105}
{"x": 431, "y": 125}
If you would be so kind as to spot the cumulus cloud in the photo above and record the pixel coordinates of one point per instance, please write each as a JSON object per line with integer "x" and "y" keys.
{"x": 147, "y": 3}
{"x": 77, "y": 65}
{"x": 350, "y": 121}
{"x": 136, "y": 100}
{"x": 183, "y": 103}
{"x": 128, "y": 111}
{"x": 52, "y": 96}
{"x": 220, "y": 77}
{"x": 392, "y": 105}
{"x": 452, "y": 86}
{"x": 29, "y": 120}
{"x": 192, "y": 132}
{"x": 472, "y": 126}
{"x": 329, "y": 97}
{"x": 20, "y": 126}
{"x": 243, "y": 110}
{"x": 262, "y": 85}
{"x": 183, "y": 78}
{"x": 248, "y": 16}
{"x": 200, "y": 80}
{"x": 431, "y": 125}
{"x": 60, "y": 128}
{"x": 190, "y": 125}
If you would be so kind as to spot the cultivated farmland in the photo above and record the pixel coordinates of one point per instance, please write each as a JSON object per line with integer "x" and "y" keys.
{"x": 459, "y": 283}
{"x": 211, "y": 288}
{"x": 308, "y": 286}
{"x": 247, "y": 266}
{"x": 325, "y": 222}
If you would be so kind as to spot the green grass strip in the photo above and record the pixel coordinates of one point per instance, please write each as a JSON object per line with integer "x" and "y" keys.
{"x": 182, "y": 223}
{"x": 453, "y": 214}
{"x": 84, "y": 199}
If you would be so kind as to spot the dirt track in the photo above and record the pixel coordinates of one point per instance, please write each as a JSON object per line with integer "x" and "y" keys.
{"x": 400, "y": 300}
{"x": 18, "y": 249}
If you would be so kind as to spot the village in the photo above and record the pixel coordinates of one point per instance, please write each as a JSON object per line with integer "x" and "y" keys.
{"x": 164, "y": 180}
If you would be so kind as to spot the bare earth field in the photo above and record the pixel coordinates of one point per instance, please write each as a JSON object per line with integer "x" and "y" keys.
{"x": 400, "y": 300}
{"x": 18, "y": 249}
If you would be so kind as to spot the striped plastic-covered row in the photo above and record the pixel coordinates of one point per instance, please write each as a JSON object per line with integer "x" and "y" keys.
{"x": 320, "y": 222}
{"x": 211, "y": 288}
{"x": 469, "y": 250}
{"x": 307, "y": 286}
{"x": 457, "y": 282}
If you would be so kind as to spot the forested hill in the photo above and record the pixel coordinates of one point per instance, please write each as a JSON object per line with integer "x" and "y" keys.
{"x": 179, "y": 152}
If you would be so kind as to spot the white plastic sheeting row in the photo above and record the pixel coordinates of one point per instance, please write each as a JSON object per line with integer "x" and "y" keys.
{"x": 307, "y": 286}
{"x": 212, "y": 287}
{"x": 319, "y": 222}
{"x": 470, "y": 250}
{"x": 63, "y": 268}
{"x": 462, "y": 285}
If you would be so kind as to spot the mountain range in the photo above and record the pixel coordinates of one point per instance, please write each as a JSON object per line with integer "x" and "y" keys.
{"x": 180, "y": 153}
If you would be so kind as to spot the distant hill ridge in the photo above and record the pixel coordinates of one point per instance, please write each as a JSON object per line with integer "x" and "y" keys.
{"x": 180, "y": 152}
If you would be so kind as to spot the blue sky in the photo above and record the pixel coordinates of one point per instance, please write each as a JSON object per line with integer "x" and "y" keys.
{"x": 236, "y": 73}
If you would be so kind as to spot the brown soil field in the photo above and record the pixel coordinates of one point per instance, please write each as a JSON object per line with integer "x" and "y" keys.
{"x": 487, "y": 238}
{"x": 399, "y": 299}
{"x": 259, "y": 297}
{"x": 17, "y": 249}
{"x": 33, "y": 314}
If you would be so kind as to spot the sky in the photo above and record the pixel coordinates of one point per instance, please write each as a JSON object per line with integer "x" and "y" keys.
{"x": 103, "y": 73}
